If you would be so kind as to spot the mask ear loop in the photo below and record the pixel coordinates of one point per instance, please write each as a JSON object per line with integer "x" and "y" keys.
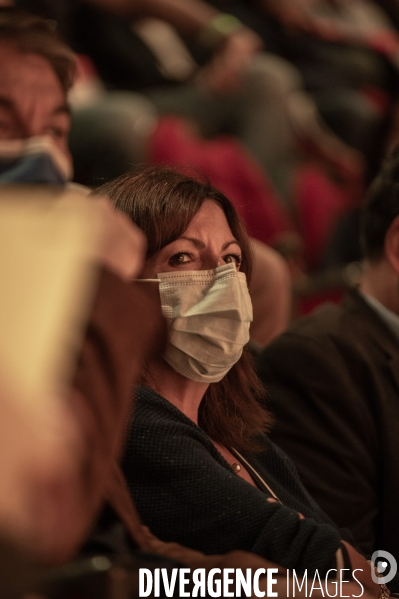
{"x": 147, "y": 280}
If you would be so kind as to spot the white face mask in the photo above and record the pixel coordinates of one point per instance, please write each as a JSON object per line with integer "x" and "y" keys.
{"x": 209, "y": 313}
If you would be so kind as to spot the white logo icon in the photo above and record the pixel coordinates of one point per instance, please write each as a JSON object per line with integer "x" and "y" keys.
{"x": 386, "y": 566}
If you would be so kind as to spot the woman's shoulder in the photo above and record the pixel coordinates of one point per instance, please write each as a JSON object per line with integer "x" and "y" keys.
{"x": 148, "y": 402}
{"x": 157, "y": 427}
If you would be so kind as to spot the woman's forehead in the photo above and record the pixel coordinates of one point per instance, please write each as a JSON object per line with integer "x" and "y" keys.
{"x": 209, "y": 218}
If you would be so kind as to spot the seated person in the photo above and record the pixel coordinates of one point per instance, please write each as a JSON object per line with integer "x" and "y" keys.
{"x": 198, "y": 464}
{"x": 334, "y": 387}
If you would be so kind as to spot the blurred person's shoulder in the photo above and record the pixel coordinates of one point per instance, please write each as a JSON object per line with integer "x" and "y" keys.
{"x": 332, "y": 319}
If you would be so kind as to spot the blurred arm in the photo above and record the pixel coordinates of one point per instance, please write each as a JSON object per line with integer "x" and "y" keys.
{"x": 233, "y": 49}
{"x": 187, "y": 16}
{"x": 56, "y": 467}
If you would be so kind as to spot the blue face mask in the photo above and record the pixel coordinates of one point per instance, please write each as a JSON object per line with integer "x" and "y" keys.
{"x": 33, "y": 160}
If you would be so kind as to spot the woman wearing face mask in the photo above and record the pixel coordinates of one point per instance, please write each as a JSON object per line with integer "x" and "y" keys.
{"x": 198, "y": 463}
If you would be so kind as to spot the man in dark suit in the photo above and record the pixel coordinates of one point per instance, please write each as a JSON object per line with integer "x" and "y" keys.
{"x": 333, "y": 380}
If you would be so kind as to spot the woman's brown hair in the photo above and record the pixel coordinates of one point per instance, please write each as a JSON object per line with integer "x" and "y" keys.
{"x": 162, "y": 202}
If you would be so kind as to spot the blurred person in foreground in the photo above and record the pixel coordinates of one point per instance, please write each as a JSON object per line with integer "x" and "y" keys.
{"x": 333, "y": 384}
{"x": 62, "y": 492}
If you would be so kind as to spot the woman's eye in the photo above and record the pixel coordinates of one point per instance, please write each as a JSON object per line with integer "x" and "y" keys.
{"x": 233, "y": 258}
{"x": 180, "y": 258}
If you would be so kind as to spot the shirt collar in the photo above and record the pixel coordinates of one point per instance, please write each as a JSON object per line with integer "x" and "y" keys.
{"x": 390, "y": 318}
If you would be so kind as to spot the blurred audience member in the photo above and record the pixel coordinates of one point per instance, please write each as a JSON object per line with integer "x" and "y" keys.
{"x": 347, "y": 54}
{"x": 238, "y": 90}
{"x": 333, "y": 384}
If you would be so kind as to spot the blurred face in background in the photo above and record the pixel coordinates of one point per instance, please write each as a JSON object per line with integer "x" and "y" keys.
{"x": 32, "y": 101}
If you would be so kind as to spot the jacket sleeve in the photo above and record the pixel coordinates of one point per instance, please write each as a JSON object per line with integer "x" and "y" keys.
{"x": 319, "y": 395}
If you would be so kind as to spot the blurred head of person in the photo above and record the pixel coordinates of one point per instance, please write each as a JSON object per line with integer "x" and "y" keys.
{"x": 380, "y": 235}
{"x": 36, "y": 71}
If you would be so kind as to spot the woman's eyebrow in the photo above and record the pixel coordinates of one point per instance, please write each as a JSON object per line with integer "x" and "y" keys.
{"x": 226, "y": 245}
{"x": 201, "y": 245}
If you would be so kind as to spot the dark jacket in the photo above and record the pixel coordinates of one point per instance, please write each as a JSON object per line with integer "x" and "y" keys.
{"x": 186, "y": 492}
{"x": 333, "y": 380}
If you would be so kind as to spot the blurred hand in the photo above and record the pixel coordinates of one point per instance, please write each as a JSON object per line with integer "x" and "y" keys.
{"x": 171, "y": 550}
{"x": 293, "y": 14}
{"x": 225, "y": 71}
{"x": 40, "y": 447}
{"x": 124, "y": 244}
{"x": 298, "y": 16}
